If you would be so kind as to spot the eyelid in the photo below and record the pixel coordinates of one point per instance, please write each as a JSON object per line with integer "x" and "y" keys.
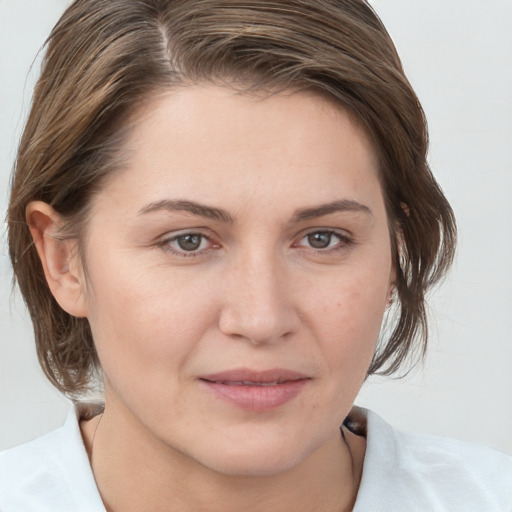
{"x": 345, "y": 239}
{"x": 165, "y": 242}
{"x": 344, "y": 236}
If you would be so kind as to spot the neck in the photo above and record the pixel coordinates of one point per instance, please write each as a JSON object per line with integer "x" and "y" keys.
{"x": 122, "y": 452}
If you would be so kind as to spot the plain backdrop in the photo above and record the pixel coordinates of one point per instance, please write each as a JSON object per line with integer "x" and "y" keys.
{"x": 458, "y": 56}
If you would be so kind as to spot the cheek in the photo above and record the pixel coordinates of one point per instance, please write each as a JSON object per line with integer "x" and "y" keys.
{"x": 140, "y": 323}
{"x": 348, "y": 316}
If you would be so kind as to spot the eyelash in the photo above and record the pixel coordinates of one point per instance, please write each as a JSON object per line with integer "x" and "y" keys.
{"x": 166, "y": 244}
{"x": 344, "y": 241}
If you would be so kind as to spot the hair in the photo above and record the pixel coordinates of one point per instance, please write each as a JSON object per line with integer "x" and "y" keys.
{"x": 104, "y": 58}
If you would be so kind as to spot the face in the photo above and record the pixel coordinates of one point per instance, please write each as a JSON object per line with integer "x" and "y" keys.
{"x": 238, "y": 271}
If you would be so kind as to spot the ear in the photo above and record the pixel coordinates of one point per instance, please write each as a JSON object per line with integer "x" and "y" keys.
{"x": 391, "y": 293}
{"x": 394, "y": 266}
{"x": 59, "y": 258}
{"x": 391, "y": 285}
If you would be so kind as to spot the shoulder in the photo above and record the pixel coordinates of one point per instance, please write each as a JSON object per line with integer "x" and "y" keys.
{"x": 403, "y": 471}
{"x": 51, "y": 473}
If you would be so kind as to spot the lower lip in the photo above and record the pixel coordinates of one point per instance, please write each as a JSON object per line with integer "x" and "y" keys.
{"x": 257, "y": 398}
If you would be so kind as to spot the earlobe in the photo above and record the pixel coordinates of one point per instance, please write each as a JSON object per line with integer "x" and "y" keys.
{"x": 392, "y": 280}
{"x": 59, "y": 258}
{"x": 391, "y": 286}
{"x": 391, "y": 294}
{"x": 395, "y": 260}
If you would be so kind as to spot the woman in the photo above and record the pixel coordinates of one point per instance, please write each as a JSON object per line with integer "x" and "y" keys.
{"x": 224, "y": 199}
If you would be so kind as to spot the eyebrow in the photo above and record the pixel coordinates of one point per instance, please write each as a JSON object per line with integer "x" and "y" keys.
{"x": 201, "y": 210}
{"x": 209, "y": 212}
{"x": 343, "y": 205}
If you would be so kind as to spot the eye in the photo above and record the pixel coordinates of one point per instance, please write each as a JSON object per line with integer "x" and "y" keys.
{"x": 323, "y": 239}
{"x": 320, "y": 239}
{"x": 188, "y": 244}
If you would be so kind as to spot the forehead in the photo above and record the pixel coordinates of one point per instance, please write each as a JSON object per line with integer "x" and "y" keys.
{"x": 212, "y": 142}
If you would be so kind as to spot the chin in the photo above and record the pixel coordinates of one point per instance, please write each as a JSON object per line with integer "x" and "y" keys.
{"x": 251, "y": 464}
{"x": 254, "y": 457}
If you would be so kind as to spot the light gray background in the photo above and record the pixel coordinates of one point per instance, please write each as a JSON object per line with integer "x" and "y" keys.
{"x": 458, "y": 55}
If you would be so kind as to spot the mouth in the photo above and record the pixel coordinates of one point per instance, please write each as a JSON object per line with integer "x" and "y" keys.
{"x": 247, "y": 382}
{"x": 256, "y": 391}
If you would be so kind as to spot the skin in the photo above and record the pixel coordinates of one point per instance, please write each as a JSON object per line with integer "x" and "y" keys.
{"x": 254, "y": 294}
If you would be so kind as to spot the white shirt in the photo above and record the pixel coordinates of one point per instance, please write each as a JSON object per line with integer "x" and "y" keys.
{"x": 402, "y": 473}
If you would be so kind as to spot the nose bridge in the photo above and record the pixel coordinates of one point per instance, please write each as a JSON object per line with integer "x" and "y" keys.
{"x": 257, "y": 305}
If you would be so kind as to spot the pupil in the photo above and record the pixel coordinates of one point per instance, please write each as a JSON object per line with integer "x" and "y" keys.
{"x": 319, "y": 240}
{"x": 189, "y": 242}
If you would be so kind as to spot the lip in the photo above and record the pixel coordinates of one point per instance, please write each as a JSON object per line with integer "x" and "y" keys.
{"x": 253, "y": 390}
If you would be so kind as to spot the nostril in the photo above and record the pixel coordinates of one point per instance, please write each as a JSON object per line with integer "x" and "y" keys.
{"x": 258, "y": 327}
{"x": 256, "y": 305}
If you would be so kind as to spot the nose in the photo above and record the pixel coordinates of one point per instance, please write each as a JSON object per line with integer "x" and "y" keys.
{"x": 257, "y": 306}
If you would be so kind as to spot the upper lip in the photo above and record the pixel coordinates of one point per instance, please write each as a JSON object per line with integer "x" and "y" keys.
{"x": 246, "y": 375}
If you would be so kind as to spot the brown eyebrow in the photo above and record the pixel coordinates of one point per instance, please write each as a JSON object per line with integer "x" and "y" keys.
{"x": 207, "y": 212}
{"x": 343, "y": 205}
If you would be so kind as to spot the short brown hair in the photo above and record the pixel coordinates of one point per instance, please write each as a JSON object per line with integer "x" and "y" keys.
{"x": 105, "y": 57}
